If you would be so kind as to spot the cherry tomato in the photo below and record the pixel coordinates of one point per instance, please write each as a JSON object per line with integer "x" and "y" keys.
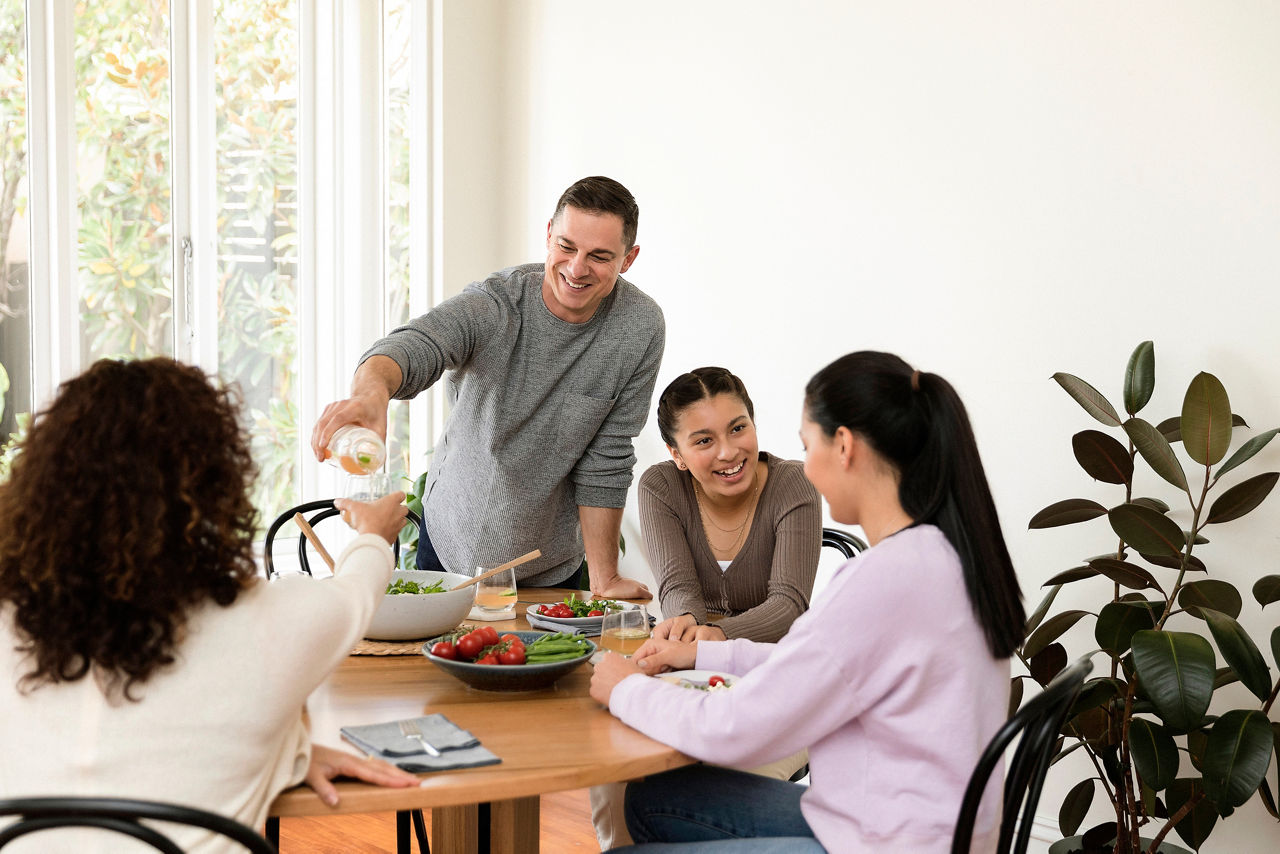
{"x": 714, "y": 681}
{"x": 488, "y": 634}
{"x": 491, "y": 658}
{"x": 544, "y": 609}
{"x": 513, "y": 654}
{"x": 469, "y": 646}
{"x": 596, "y": 613}
{"x": 444, "y": 649}
{"x": 513, "y": 639}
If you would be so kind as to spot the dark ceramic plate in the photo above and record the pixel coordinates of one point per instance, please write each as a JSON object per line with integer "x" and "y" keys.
{"x": 507, "y": 677}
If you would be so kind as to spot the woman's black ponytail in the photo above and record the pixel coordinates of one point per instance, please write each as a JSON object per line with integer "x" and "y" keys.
{"x": 918, "y": 423}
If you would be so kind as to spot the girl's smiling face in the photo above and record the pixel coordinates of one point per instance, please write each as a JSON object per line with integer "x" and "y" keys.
{"x": 716, "y": 441}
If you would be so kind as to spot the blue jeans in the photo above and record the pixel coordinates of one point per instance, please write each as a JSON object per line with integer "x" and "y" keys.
{"x": 706, "y": 808}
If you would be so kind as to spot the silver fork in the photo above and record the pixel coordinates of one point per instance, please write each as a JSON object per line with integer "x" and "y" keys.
{"x": 410, "y": 730}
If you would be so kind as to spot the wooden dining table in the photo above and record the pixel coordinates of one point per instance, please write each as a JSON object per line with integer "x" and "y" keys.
{"x": 549, "y": 740}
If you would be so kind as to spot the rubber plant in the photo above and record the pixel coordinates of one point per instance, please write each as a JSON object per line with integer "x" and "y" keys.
{"x": 1161, "y": 750}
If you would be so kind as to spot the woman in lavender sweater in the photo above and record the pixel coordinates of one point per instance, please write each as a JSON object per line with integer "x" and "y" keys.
{"x": 893, "y": 679}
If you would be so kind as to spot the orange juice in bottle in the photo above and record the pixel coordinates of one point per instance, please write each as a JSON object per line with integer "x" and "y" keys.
{"x": 356, "y": 450}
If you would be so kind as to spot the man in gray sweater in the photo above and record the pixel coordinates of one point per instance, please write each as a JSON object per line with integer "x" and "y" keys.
{"x": 551, "y": 370}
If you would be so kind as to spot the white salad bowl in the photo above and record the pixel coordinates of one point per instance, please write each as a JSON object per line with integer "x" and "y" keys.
{"x": 411, "y": 616}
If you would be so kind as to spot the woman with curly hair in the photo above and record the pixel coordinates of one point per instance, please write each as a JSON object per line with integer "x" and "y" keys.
{"x": 141, "y": 654}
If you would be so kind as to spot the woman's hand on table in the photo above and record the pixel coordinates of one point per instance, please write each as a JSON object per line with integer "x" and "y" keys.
{"x": 384, "y": 517}
{"x": 685, "y": 628}
{"x": 610, "y": 669}
{"x": 620, "y": 588}
{"x": 328, "y": 763}
{"x": 658, "y": 655}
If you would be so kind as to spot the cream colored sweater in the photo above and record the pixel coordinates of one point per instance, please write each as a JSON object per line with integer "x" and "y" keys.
{"x": 221, "y": 729}
{"x": 767, "y": 585}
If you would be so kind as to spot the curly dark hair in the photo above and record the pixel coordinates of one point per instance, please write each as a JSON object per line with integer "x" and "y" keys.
{"x": 126, "y": 508}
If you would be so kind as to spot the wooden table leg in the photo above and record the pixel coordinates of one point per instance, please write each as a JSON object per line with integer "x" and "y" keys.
{"x": 514, "y": 826}
{"x": 455, "y": 830}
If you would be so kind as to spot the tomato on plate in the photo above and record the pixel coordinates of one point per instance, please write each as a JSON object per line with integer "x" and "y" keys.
{"x": 714, "y": 681}
{"x": 488, "y": 634}
{"x": 514, "y": 654}
{"x": 491, "y": 658}
{"x": 444, "y": 649}
{"x": 469, "y": 646}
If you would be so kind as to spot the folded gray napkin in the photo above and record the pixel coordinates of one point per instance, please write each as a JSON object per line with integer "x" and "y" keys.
{"x": 458, "y": 748}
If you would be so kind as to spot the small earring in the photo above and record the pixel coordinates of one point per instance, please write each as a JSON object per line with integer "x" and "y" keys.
{"x": 680, "y": 465}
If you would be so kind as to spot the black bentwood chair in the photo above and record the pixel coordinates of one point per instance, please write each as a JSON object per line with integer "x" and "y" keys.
{"x": 121, "y": 815}
{"x": 843, "y": 542}
{"x": 1039, "y": 721}
{"x": 326, "y": 511}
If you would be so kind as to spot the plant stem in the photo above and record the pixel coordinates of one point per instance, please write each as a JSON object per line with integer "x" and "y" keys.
{"x": 1182, "y": 813}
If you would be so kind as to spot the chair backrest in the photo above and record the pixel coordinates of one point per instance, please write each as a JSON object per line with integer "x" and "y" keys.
{"x": 1039, "y": 721}
{"x": 121, "y": 815}
{"x": 842, "y": 541}
{"x": 326, "y": 510}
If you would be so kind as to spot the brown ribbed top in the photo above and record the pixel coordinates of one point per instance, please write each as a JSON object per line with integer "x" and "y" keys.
{"x": 768, "y": 584}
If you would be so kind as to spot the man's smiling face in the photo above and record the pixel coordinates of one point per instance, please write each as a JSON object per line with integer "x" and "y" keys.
{"x": 585, "y": 256}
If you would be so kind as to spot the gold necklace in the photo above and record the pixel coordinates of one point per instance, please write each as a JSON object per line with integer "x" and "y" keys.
{"x": 740, "y": 530}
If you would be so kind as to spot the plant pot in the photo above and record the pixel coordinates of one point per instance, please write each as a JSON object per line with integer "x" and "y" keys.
{"x": 1072, "y": 844}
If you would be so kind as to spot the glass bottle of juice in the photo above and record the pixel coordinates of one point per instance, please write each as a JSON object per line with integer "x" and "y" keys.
{"x": 356, "y": 450}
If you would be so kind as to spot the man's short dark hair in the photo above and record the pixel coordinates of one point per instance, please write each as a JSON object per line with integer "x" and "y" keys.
{"x": 600, "y": 195}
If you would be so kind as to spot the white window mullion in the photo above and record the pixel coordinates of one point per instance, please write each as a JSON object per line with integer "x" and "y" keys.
{"x": 342, "y": 199}
{"x": 51, "y": 152}
{"x": 425, "y": 282}
{"x": 193, "y": 147}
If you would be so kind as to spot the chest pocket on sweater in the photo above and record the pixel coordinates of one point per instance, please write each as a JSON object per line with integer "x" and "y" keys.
{"x": 579, "y": 419}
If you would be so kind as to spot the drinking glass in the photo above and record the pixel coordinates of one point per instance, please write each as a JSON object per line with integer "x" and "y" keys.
{"x": 624, "y": 631}
{"x": 497, "y": 593}
{"x": 367, "y": 487}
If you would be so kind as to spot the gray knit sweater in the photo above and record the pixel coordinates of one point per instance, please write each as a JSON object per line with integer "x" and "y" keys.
{"x": 767, "y": 585}
{"x": 543, "y": 414}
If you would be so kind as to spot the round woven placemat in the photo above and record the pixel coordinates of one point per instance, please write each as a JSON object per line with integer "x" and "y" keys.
{"x": 373, "y": 647}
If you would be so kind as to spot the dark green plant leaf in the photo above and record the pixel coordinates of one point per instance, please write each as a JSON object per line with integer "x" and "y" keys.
{"x": 1069, "y": 575}
{"x": 1241, "y": 498}
{"x": 1149, "y": 532}
{"x": 1240, "y": 652}
{"x": 1275, "y": 646}
{"x": 1043, "y": 608}
{"x": 1267, "y": 590}
{"x": 1176, "y": 670}
{"x": 1045, "y": 664}
{"x": 1075, "y": 806}
{"x": 1237, "y": 757}
{"x": 1117, "y": 621}
{"x": 1101, "y": 837}
{"x": 1155, "y": 449}
{"x": 1154, "y": 752}
{"x": 1194, "y": 564}
{"x": 1268, "y": 799}
{"x": 1125, "y": 574}
{"x": 1195, "y": 828}
{"x": 1097, "y": 693}
{"x": 1206, "y": 420}
{"x": 1092, "y": 725}
{"x": 1197, "y": 742}
{"x": 1245, "y": 451}
{"x": 1051, "y": 631}
{"x": 1139, "y": 379}
{"x": 1225, "y": 676}
{"x": 1171, "y": 429}
{"x": 1015, "y": 695}
{"x": 1102, "y": 457}
{"x": 1154, "y": 503}
{"x": 1210, "y": 593}
{"x": 1067, "y": 513}
{"x": 1089, "y": 398}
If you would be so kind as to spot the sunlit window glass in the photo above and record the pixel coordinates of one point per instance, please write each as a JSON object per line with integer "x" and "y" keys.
{"x": 122, "y": 127}
{"x": 256, "y": 62}
{"x": 15, "y": 326}
{"x": 398, "y": 65}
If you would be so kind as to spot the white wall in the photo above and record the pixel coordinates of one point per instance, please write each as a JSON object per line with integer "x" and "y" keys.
{"x": 994, "y": 190}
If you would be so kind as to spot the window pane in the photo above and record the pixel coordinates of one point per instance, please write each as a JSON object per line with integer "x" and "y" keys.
{"x": 398, "y": 65}
{"x": 256, "y": 50}
{"x": 15, "y": 327}
{"x": 122, "y": 127}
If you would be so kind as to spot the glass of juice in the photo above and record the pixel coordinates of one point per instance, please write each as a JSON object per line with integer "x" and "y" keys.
{"x": 624, "y": 631}
{"x": 369, "y": 487}
{"x": 497, "y": 593}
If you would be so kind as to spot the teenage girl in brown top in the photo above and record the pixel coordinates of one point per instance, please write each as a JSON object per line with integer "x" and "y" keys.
{"x": 730, "y": 529}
